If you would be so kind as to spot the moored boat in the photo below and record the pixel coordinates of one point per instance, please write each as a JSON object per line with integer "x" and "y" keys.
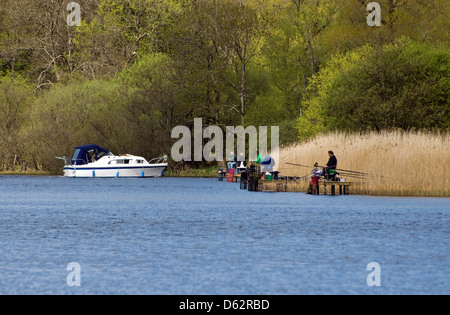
{"x": 91, "y": 160}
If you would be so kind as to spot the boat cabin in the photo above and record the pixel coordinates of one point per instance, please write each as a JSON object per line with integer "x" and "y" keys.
{"x": 127, "y": 161}
{"x": 88, "y": 153}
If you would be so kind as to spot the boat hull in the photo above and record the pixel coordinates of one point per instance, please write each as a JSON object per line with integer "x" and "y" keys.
{"x": 87, "y": 171}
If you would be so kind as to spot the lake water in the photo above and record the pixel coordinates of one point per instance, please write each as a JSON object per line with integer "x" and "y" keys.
{"x": 201, "y": 236}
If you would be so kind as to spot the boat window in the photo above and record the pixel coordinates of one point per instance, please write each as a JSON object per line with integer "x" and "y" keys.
{"x": 75, "y": 154}
{"x": 92, "y": 156}
{"x": 120, "y": 162}
{"x": 139, "y": 161}
{"x": 103, "y": 153}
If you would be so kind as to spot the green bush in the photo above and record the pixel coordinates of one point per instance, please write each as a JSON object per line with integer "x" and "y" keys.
{"x": 401, "y": 85}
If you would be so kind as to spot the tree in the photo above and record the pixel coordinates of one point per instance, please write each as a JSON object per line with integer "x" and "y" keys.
{"x": 310, "y": 19}
{"x": 250, "y": 21}
{"x": 152, "y": 105}
{"x": 120, "y": 32}
{"x": 16, "y": 37}
{"x": 201, "y": 48}
{"x": 139, "y": 25}
{"x": 400, "y": 85}
{"x": 422, "y": 21}
{"x": 15, "y": 100}
{"x": 71, "y": 115}
{"x": 292, "y": 54}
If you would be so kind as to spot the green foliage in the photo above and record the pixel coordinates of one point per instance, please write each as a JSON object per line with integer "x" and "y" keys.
{"x": 139, "y": 24}
{"x": 134, "y": 69}
{"x": 269, "y": 110}
{"x": 71, "y": 115}
{"x": 400, "y": 85}
{"x": 152, "y": 103}
{"x": 15, "y": 100}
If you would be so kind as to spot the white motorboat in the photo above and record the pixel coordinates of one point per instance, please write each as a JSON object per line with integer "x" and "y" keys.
{"x": 91, "y": 160}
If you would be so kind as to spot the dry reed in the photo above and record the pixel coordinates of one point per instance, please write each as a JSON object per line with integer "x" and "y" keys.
{"x": 400, "y": 163}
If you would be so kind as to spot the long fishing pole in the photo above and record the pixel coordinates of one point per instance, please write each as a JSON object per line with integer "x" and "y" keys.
{"x": 351, "y": 173}
{"x": 354, "y": 172}
{"x": 346, "y": 173}
{"x": 340, "y": 170}
{"x": 299, "y": 165}
{"x": 354, "y": 176}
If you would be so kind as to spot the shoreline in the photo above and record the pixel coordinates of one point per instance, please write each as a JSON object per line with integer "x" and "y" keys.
{"x": 34, "y": 173}
{"x": 211, "y": 172}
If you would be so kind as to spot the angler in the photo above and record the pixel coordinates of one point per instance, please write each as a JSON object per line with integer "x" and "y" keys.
{"x": 330, "y": 170}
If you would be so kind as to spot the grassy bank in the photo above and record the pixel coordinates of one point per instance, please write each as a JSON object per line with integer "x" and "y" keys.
{"x": 401, "y": 163}
{"x": 206, "y": 172}
{"x": 26, "y": 173}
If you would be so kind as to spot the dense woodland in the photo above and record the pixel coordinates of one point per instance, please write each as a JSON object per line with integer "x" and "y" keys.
{"x": 135, "y": 69}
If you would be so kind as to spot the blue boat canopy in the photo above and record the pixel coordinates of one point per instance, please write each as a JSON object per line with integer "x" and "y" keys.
{"x": 88, "y": 153}
{"x": 267, "y": 164}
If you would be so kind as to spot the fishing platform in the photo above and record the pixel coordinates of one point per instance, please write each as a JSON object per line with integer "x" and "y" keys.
{"x": 321, "y": 180}
{"x": 259, "y": 182}
{"x": 292, "y": 184}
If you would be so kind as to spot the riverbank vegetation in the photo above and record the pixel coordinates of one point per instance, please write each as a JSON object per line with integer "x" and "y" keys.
{"x": 187, "y": 171}
{"x": 398, "y": 163}
{"x": 135, "y": 69}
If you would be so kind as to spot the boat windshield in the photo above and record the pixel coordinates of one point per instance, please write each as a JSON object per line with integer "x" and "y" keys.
{"x": 76, "y": 154}
{"x": 102, "y": 154}
{"x": 88, "y": 154}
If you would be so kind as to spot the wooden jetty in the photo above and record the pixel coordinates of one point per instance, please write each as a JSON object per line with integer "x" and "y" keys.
{"x": 344, "y": 187}
{"x": 256, "y": 182}
{"x": 292, "y": 185}
{"x": 224, "y": 174}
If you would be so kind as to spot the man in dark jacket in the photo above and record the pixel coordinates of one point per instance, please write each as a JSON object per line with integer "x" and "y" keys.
{"x": 331, "y": 165}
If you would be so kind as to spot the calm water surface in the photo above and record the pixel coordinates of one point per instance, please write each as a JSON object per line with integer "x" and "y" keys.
{"x": 201, "y": 236}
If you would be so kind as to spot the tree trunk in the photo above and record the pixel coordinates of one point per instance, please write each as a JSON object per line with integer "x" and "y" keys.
{"x": 14, "y": 162}
{"x": 242, "y": 91}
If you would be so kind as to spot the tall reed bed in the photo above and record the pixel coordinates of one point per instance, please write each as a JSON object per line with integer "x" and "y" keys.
{"x": 400, "y": 163}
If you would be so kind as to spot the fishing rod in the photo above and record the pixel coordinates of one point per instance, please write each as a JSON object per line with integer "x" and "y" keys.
{"x": 351, "y": 173}
{"x": 354, "y": 172}
{"x": 354, "y": 176}
{"x": 299, "y": 165}
{"x": 339, "y": 170}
